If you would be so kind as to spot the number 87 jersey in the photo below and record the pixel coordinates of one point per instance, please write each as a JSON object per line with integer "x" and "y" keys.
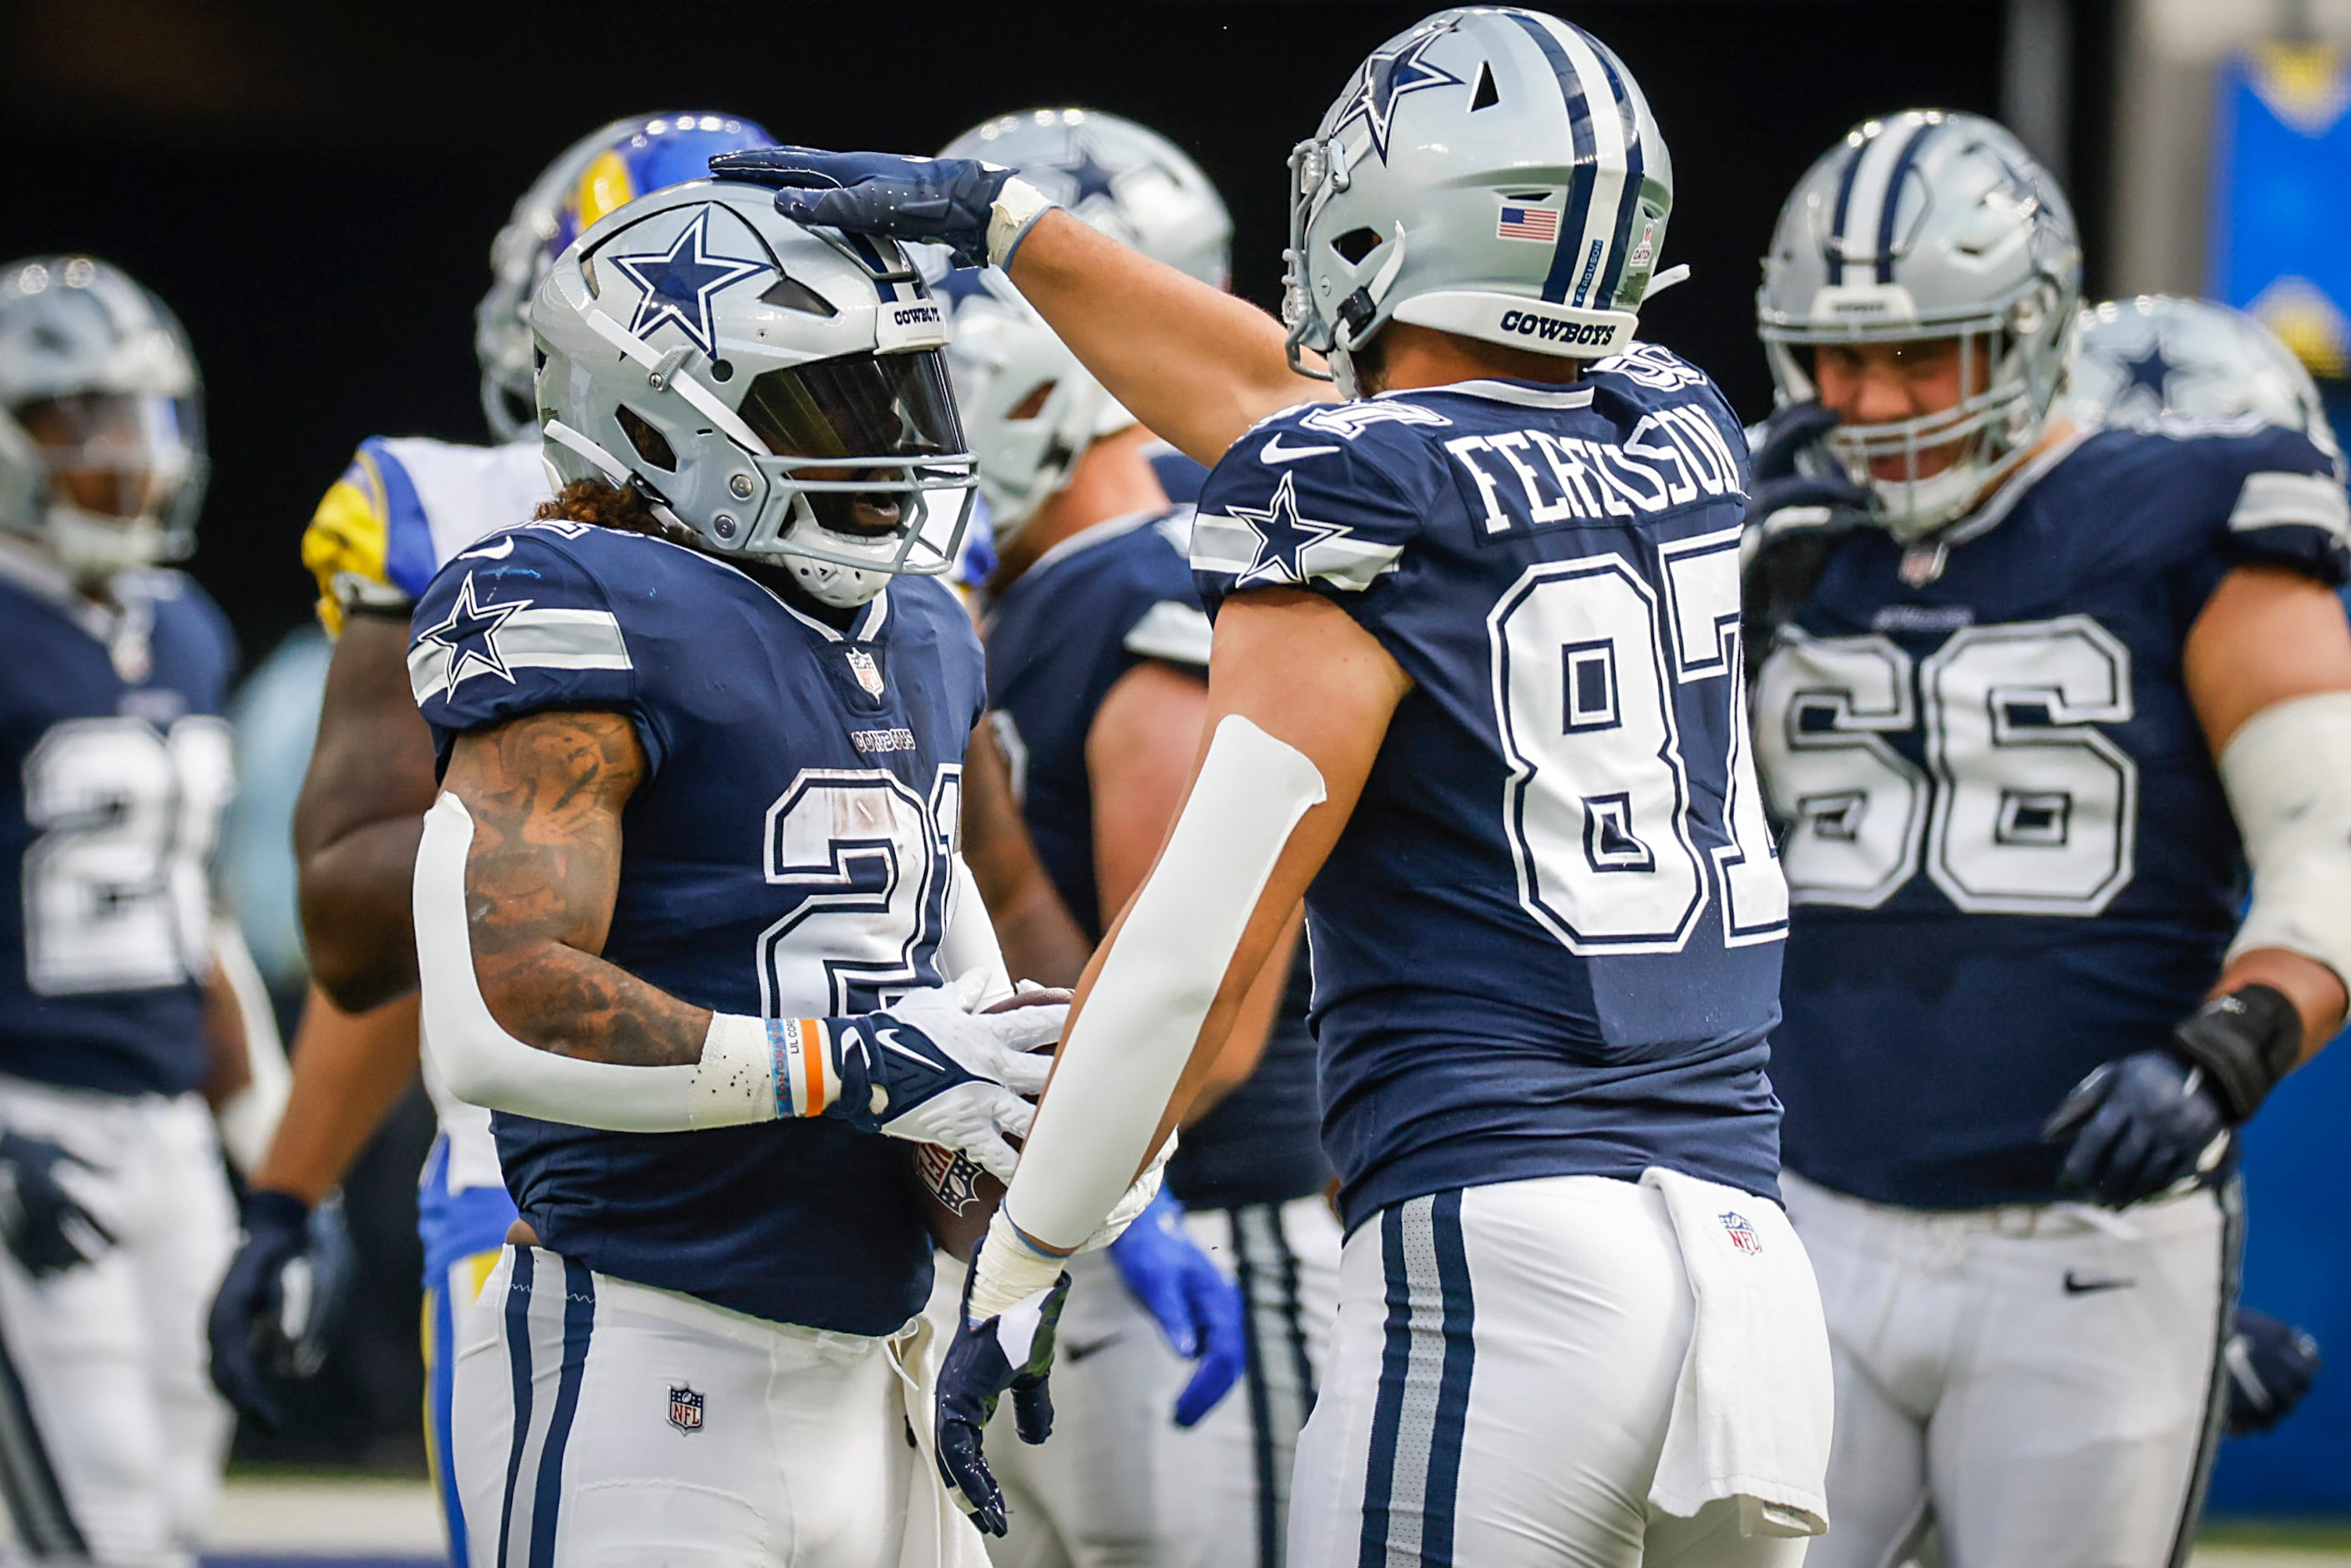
{"x": 1547, "y": 941}
{"x": 2005, "y": 836}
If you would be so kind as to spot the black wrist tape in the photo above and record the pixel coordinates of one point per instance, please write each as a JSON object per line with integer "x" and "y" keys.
{"x": 2246, "y": 1042}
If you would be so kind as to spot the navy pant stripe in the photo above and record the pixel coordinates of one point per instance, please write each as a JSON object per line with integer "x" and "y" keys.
{"x": 579, "y": 1323}
{"x": 2231, "y": 1199}
{"x": 1260, "y": 1398}
{"x": 1453, "y": 1385}
{"x": 36, "y": 1502}
{"x": 1294, "y": 1318}
{"x": 1387, "y": 1413}
{"x": 518, "y": 1364}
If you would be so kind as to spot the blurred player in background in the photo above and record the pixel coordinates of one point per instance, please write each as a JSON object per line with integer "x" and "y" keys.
{"x": 399, "y": 512}
{"x": 1470, "y": 682}
{"x": 1098, "y": 654}
{"x": 125, "y": 1006}
{"x": 2020, "y": 726}
{"x": 729, "y": 627}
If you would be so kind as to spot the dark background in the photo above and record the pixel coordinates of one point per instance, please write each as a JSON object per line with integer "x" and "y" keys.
{"x": 314, "y": 187}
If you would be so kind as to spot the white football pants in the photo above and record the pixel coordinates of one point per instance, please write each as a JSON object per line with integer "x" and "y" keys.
{"x": 111, "y": 1438}
{"x": 1500, "y": 1383}
{"x": 599, "y": 1422}
{"x": 2034, "y": 1383}
{"x": 1120, "y": 1485}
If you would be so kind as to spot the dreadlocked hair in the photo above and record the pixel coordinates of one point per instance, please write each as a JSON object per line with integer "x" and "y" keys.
{"x": 616, "y": 506}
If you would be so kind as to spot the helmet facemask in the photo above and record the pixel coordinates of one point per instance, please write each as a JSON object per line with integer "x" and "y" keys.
{"x": 2007, "y": 398}
{"x": 122, "y": 478}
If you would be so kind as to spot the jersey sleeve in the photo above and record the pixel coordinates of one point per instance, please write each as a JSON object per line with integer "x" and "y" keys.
{"x": 1295, "y": 506}
{"x": 370, "y": 544}
{"x": 2290, "y": 508}
{"x": 517, "y": 625}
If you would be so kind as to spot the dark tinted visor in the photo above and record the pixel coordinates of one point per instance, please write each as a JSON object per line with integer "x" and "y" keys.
{"x": 857, "y": 406}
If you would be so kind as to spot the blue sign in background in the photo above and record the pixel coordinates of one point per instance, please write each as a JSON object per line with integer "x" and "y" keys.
{"x": 2280, "y": 236}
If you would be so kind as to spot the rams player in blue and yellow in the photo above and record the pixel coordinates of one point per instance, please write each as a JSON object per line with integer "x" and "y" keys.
{"x": 401, "y": 510}
{"x": 2030, "y": 723}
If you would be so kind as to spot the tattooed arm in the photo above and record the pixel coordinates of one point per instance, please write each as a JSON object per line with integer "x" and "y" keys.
{"x": 546, "y": 792}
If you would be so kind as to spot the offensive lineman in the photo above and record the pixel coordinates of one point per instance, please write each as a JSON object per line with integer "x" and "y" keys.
{"x": 2018, "y": 731}
{"x": 1476, "y": 664}
{"x": 1097, "y": 673}
{"x": 117, "y": 1020}
{"x": 400, "y": 511}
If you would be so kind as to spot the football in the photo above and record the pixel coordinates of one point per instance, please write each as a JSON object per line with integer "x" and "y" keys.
{"x": 958, "y": 1197}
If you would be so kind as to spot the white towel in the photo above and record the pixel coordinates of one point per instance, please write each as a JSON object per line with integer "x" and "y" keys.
{"x": 1752, "y": 1410}
{"x": 938, "y": 1535}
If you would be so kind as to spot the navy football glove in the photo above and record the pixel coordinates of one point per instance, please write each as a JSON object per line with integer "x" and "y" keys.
{"x": 2272, "y": 1366}
{"x": 2138, "y": 1126}
{"x": 937, "y": 201}
{"x": 1780, "y": 483}
{"x": 1012, "y": 1351}
{"x": 285, "y": 1291}
{"x": 1194, "y": 1305}
{"x": 928, "y": 1069}
{"x": 44, "y": 1223}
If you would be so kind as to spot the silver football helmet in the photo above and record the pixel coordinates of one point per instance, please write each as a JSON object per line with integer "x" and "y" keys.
{"x": 2157, "y": 358}
{"x": 775, "y": 389}
{"x": 603, "y": 169}
{"x": 101, "y": 428}
{"x": 1493, "y": 173}
{"x": 1030, "y": 409}
{"x": 1928, "y": 224}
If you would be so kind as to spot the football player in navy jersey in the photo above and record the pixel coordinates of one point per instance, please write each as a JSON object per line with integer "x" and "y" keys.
{"x": 117, "y": 1018}
{"x": 2026, "y": 727}
{"x": 1474, "y": 695}
{"x": 1097, "y": 678}
{"x": 690, "y": 915}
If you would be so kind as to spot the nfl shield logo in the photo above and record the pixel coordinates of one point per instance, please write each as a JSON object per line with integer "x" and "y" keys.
{"x": 868, "y": 674}
{"x": 685, "y": 1409}
{"x": 953, "y": 1177}
{"x": 1742, "y": 1234}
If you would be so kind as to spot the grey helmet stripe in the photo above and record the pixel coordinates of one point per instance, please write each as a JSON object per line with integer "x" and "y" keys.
{"x": 1891, "y": 203}
{"x": 1603, "y": 112}
{"x": 1578, "y": 122}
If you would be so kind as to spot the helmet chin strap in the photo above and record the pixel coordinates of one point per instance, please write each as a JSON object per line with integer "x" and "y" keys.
{"x": 831, "y": 583}
{"x": 92, "y": 548}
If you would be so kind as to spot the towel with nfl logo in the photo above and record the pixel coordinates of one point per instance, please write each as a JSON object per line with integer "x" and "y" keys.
{"x": 1752, "y": 1410}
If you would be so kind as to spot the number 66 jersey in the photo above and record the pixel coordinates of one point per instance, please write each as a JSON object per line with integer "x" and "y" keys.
{"x": 1547, "y": 942}
{"x": 2005, "y": 836}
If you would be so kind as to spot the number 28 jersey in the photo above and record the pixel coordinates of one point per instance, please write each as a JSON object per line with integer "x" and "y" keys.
{"x": 2005, "y": 836}
{"x": 114, "y": 769}
{"x": 1547, "y": 942}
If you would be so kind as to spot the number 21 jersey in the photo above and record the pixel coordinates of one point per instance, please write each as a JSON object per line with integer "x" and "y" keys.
{"x": 2006, "y": 839}
{"x": 1547, "y": 942}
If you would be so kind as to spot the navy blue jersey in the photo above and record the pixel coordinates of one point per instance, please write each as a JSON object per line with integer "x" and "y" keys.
{"x": 1547, "y": 941}
{"x": 1090, "y": 609}
{"x": 1180, "y": 477}
{"x": 2006, "y": 839}
{"x": 114, "y": 767}
{"x": 785, "y": 856}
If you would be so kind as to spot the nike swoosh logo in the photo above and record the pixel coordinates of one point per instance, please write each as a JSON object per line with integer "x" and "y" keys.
{"x": 889, "y": 1038}
{"x": 498, "y": 551}
{"x": 2079, "y": 1287}
{"x": 1074, "y": 1353}
{"x": 1275, "y": 452}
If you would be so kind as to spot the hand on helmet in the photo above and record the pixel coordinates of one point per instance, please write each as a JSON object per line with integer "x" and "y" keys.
{"x": 1782, "y": 485}
{"x": 937, "y": 201}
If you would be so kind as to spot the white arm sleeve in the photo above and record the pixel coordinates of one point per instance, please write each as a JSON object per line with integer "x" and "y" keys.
{"x": 478, "y": 1061}
{"x": 249, "y": 1119}
{"x": 2288, "y": 775}
{"x": 970, "y": 940}
{"x": 1119, "y": 1067}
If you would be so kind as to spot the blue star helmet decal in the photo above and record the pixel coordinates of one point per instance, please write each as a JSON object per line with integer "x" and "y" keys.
{"x": 471, "y": 635}
{"x": 1084, "y": 174}
{"x": 2151, "y": 373}
{"x": 1387, "y": 76}
{"x": 1282, "y": 537}
{"x": 678, "y": 283}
